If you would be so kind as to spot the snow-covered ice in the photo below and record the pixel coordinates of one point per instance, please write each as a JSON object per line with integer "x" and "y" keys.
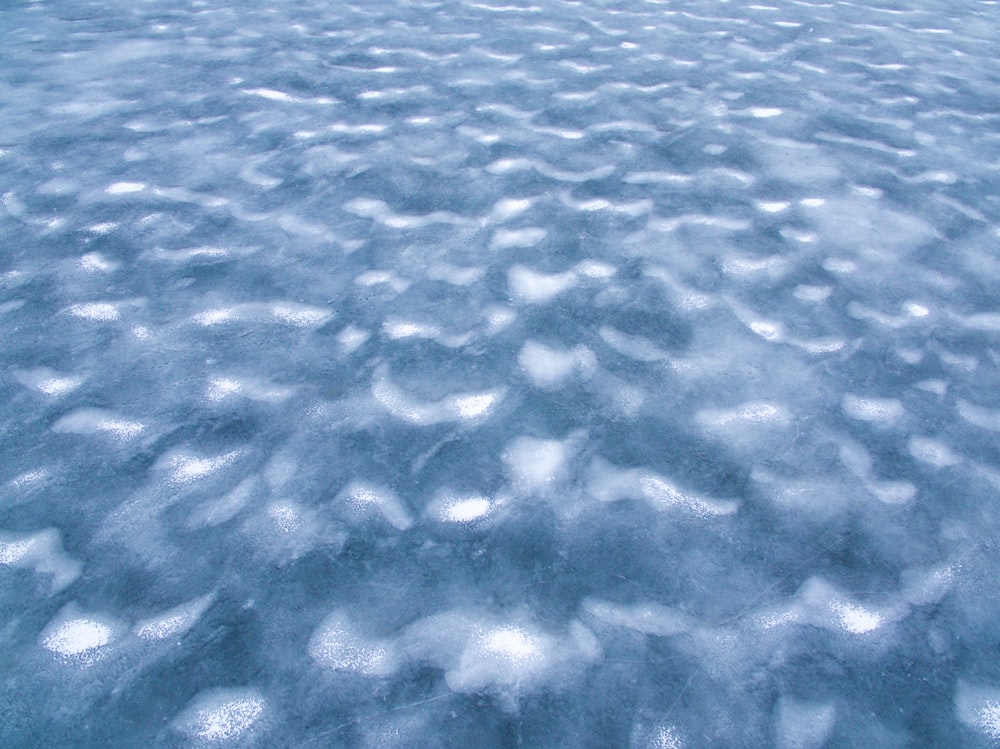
{"x": 549, "y": 373}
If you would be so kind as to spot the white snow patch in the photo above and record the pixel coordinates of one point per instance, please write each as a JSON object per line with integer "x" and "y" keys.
{"x": 536, "y": 464}
{"x": 363, "y": 498}
{"x": 42, "y": 552}
{"x": 978, "y": 706}
{"x": 461, "y": 407}
{"x": 526, "y": 237}
{"x": 882, "y": 411}
{"x": 99, "y": 311}
{"x": 98, "y": 421}
{"x": 125, "y": 188}
{"x": 550, "y": 367}
{"x": 221, "y": 715}
{"x": 49, "y": 382}
{"x": 803, "y": 725}
{"x": 339, "y": 645}
{"x": 933, "y": 452}
{"x": 173, "y": 622}
{"x": 535, "y": 287}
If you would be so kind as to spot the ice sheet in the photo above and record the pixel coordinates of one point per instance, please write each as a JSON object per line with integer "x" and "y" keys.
{"x": 488, "y": 373}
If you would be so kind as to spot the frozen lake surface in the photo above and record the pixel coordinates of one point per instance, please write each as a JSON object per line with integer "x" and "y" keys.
{"x": 499, "y": 373}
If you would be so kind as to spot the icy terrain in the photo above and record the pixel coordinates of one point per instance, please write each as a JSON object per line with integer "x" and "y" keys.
{"x": 497, "y": 373}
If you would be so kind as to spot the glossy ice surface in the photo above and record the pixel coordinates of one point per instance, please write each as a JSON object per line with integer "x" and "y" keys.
{"x": 495, "y": 373}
